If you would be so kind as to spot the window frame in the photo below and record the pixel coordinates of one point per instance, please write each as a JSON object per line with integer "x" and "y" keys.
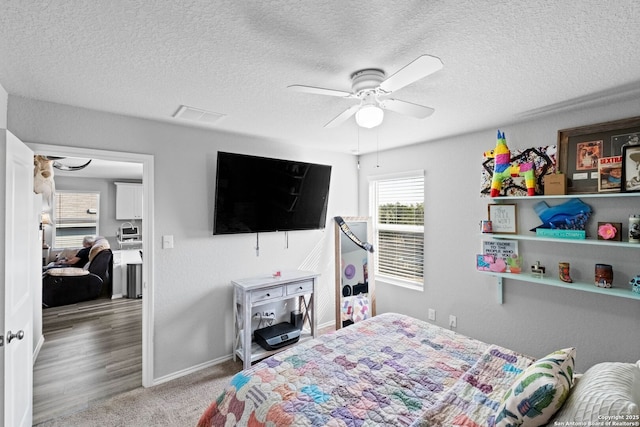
{"x": 377, "y": 227}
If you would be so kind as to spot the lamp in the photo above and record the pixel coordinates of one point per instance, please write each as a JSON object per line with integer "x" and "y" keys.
{"x": 369, "y": 116}
{"x": 45, "y": 219}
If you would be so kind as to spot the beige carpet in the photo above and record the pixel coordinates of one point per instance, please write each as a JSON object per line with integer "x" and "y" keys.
{"x": 176, "y": 403}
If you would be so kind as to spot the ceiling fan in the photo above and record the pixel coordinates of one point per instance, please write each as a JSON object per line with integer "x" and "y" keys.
{"x": 372, "y": 89}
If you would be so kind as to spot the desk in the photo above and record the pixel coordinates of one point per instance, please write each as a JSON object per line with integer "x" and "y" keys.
{"x": 299, "y": 286}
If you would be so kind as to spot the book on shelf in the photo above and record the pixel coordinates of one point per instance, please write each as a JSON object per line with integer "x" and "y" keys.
{"x": 561, "y": 233}
{"x": 609, "y": 174}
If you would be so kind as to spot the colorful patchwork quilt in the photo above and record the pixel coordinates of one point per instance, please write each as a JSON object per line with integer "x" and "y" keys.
{"x": 389, "y": 370}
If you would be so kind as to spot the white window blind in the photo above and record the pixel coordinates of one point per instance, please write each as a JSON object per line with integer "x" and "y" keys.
{"x": 398, "y": 212}
{"x": 76, "y": 216}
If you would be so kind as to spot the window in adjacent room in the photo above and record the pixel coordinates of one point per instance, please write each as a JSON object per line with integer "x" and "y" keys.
{"x": 76, "y": 216}
{"x": 397, "y": 210}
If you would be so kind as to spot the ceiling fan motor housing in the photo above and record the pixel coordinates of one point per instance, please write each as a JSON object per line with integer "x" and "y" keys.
{"x": 368, "y": 79}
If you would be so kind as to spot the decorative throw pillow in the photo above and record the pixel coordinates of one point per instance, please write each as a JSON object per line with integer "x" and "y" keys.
{"x": 538, "y": 392}
{"x": 100, "y": 244}
{"x": 609, "y": 388}
{"x": 67, "y": 271}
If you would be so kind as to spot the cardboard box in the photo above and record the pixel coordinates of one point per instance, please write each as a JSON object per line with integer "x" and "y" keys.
{"x": 555, "y": 184}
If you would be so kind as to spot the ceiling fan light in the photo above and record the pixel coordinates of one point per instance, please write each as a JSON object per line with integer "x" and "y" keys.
{"x": 369, "y": 116}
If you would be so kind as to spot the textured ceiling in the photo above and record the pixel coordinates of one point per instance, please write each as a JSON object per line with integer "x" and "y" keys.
{"x": 503, "y": 60}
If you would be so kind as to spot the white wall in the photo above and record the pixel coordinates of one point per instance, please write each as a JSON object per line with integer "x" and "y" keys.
{"x": 193, "y": 296}
{"x": 4, "y": 100}
{"x": 534, "y": 319}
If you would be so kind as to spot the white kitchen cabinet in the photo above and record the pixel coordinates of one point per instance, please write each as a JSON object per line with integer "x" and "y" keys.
{"x": 128, "y": 201}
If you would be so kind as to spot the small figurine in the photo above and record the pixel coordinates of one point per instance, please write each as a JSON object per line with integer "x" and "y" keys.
{"x": 635, "y": 284}
{"x": 537, "y": 270}
{"x": 563, "y": 269}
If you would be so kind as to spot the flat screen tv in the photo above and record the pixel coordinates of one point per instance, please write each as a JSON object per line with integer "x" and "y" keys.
{"x": 260, "y": 194}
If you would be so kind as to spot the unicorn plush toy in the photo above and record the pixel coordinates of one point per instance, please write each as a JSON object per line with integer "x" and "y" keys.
{"x": 503, "y": 169}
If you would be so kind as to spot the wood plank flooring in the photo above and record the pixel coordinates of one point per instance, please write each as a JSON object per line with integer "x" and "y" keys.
{"x": 92, "y": 350}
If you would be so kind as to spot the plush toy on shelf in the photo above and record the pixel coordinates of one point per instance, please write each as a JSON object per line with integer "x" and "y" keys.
{"x": 503, "y": 169}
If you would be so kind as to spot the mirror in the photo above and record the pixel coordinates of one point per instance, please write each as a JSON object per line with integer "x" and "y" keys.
{"x": 355, "y": 284}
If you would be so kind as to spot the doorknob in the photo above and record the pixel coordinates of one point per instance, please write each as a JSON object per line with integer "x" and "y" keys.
{"x": 11, "y": 336}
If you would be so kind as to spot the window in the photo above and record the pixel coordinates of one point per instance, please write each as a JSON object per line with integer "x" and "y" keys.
{"x": 397, "y": 209}
{"x": 76, "y": 216}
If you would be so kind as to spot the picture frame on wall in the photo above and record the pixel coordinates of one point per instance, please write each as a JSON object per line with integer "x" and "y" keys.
{"x": 631, "y": 168}
{"x": 607, "y": 138}
{"x": 503, "y": 218}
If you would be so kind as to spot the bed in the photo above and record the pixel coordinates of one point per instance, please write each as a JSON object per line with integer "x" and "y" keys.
{"x": 394, "y": 370}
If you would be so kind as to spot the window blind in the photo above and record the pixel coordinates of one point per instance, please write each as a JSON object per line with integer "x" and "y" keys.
{"x": 76, "y": 216}
{"x": 399, "y": 228}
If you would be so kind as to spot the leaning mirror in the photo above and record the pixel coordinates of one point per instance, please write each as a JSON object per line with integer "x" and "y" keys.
{"x": 355, "y": 285}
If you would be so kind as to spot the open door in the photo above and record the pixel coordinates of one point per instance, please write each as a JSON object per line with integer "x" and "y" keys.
{"x": 17, "y": 268}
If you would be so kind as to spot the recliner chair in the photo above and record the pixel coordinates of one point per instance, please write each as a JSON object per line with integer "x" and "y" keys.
{"x": 60, "y": 290}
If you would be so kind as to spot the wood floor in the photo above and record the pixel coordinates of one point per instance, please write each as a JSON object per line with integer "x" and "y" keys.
{"x": 92, "y": 350}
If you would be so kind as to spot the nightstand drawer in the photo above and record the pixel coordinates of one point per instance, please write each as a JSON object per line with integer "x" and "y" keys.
{"x": 266, "y": 294}
{"x": 304, "y": 287}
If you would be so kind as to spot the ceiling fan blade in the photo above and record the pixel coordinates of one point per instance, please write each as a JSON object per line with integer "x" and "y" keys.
{"x": 407, "y": 108}
{"x": 321, "y": 91}
{"x": 416, "y": 70}
{"x": 343, "y": 117}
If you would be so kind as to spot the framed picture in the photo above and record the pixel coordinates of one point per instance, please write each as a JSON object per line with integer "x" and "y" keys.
{"x": 631, "y": 168}
{"x": 587, "y": 155}
{"x": 609, "y": 174}
{"x": 580, "y": 150}
{"x": 503, "y": 218}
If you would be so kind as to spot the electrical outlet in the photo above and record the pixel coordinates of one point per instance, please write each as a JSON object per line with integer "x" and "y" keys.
{"x": 432, "y": 314}
{"x": 268, "y": 315}
{"x": 453, "y": 321}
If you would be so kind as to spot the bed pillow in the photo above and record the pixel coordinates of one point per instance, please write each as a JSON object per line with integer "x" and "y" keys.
{"x": 538, "y": 393}
{"x": 610, "y": 388}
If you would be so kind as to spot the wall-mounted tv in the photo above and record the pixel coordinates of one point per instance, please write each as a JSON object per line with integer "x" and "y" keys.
{"x": 260, "y": 194}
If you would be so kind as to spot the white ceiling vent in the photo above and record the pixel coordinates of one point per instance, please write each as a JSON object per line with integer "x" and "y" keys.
{"x": 198, "y": 115}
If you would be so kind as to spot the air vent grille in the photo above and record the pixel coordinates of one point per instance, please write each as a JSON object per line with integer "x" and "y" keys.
{"x": 198, "y": 115}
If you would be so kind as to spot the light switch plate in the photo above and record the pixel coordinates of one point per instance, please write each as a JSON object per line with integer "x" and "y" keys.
{"x": 167, "y": 242}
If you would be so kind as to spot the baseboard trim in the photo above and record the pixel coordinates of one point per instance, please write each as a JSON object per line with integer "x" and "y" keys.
{"x": 327, "y": 325}
{"x": 191, "y": 370}
{"x": 196, "y": 368}
{"x": 36, "y": 350}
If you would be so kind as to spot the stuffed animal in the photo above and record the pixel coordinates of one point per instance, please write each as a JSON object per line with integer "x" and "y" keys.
{"x": 43, "y": 179}
{"x": 503, "y": 169}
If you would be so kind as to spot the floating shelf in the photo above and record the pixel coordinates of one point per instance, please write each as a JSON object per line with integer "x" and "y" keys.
{"x": 557, "y": 240}
{"x": 578, "y": 286}
{"x": 567, "y": 196}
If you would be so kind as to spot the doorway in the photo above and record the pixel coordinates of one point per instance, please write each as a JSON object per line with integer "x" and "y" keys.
{"x": 147, "y": 162}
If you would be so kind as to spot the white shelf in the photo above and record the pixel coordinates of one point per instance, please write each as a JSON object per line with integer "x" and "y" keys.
{"x": 567, "y": 196}
{"x": 259, "y": 353}
{"x": 578, "y": 286}
{"x": 557, "y": 240}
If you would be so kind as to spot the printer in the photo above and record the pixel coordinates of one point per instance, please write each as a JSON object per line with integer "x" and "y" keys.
{"x": 276, "y": 336}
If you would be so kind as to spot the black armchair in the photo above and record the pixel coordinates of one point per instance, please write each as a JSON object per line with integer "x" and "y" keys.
{"x": 60, "y": 290}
